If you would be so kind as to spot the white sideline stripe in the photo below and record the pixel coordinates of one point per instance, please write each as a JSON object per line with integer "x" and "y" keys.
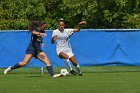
{"x": 18, "y": 30}
{"x": 110, "y": 29}
{"x": 81, "y": 30}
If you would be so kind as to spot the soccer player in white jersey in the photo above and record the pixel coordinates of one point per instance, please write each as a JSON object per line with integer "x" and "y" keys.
{"x": 62, "y": 38}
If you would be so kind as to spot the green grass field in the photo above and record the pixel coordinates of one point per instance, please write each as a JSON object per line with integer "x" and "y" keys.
{"x": 94, "y": 80}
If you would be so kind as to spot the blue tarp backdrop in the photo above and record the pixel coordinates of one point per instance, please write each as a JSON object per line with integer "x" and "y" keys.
{"x": 91, "y": 47}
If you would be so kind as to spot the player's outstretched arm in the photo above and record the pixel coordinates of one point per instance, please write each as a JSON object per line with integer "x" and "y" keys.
{"x": 79, "y": 26}
{"x": 38, "y": 33}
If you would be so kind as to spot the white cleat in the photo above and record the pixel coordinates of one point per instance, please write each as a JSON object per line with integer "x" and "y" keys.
{"x": 56, "y": 75}
{"x": 7, "y": 70}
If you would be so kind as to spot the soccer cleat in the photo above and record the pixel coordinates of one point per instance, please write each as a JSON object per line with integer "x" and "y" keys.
{"x": 56, "y": 75}
{"x": 7, "y": 70}
{"x": 73, "y": 72}
{"x": 80, "y": 74}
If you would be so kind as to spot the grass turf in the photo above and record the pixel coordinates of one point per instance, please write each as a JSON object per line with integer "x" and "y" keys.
{"x": 92, "y": 81}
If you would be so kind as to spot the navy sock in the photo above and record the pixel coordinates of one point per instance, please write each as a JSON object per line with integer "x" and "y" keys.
{"x": 15, "y": 66}
{"x": 50, "y": 70}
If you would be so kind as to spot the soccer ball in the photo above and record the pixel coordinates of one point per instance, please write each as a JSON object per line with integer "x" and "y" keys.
{"x": 64, "y": 72}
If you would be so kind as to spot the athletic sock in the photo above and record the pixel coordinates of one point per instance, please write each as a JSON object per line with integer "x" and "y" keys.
{"x": 78, "y": 69}
{"x": 68, "y": 64}
{"x": 50, "y": 70}
{"x": 15, "y": 66}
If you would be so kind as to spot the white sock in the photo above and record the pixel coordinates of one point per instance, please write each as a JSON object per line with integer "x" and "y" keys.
{"x": 78, "y": 69}
{"x": 68, "y": 64}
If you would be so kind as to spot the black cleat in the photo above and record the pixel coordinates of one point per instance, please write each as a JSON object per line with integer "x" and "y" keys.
{"x": 80, "y": 74}
{"x": 73, "y": 72}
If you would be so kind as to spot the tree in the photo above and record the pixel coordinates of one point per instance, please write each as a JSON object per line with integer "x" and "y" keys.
{"x": 16, "y": 14}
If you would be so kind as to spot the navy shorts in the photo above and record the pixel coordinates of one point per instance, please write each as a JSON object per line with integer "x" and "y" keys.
{"x": 34, "y": 49}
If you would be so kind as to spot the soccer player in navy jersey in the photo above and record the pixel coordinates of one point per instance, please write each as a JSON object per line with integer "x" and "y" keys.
{"x": 34, "y": 48}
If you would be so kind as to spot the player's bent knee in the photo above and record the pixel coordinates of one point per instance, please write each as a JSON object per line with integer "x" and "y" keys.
{"x": 63, "y": 55}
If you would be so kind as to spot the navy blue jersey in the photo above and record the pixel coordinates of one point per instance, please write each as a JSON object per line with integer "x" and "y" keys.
{"x": 37, "y": 38}
{"x": 34, "y": 47}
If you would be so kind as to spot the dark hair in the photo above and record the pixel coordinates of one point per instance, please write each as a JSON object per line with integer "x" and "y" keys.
{"x": 61, "y": 20}
{"x": 42, "y": 23}
{"x": 33, "y": 25}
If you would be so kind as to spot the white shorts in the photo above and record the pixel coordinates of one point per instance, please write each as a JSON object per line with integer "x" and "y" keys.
{"x": 67, "y": 51}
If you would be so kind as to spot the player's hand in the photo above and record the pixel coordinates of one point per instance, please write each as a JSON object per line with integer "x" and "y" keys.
{"x": 43, "y": 34}
{"x": 55, "y": 37}
{"x": 43, "y": 45}
{"x": 82, "y": 22}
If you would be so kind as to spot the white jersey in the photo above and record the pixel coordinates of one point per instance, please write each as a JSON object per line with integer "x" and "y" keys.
{"x": 63, "y": 40}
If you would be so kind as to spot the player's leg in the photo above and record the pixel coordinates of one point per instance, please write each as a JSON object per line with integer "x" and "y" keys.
{"x": 26, "y": 60}
{"x": 65, "y": 56}
{"x": 43, "y": 57}
{"x": 75, "y": 63}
